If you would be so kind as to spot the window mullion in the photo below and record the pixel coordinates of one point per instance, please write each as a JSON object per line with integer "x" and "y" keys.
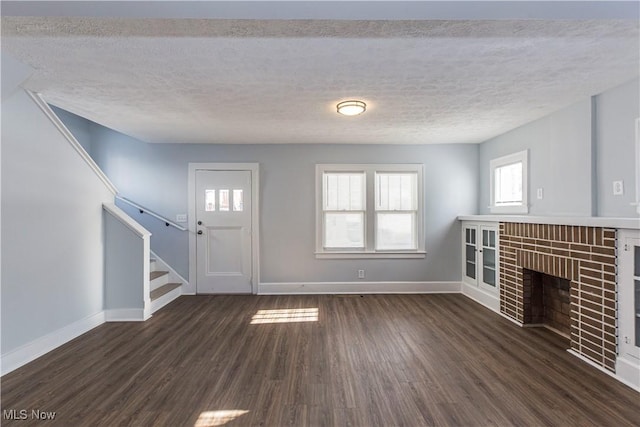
{"x": 370, "y": 209}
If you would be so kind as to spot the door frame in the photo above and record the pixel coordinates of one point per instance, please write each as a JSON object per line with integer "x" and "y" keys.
{"x": 254, "y": 168}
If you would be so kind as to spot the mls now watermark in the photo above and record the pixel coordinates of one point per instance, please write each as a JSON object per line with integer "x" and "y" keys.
{"x": 24, "y": 414}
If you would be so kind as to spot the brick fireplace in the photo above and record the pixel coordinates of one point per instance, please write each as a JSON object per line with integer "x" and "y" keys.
{"x": 578, "y": 259}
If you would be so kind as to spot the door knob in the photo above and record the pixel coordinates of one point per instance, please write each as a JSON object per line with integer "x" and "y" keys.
{"x": 199, "y": 231}
{"x": 199, "y": 222}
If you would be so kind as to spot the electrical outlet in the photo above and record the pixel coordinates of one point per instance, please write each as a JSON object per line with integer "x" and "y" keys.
{"x": 618, "y": 188}
{"x": 360, "y": 274}
{"x": 540, "y": 193}
{"x": 181, "y": 218}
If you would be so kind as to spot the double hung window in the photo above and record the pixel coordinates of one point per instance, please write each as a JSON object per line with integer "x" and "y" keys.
{"x": 369, "y": 211}
{"x": 344, "y": 209}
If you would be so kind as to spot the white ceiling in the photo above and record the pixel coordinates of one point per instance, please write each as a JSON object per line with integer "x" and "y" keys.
{"x": 277, "y": 81}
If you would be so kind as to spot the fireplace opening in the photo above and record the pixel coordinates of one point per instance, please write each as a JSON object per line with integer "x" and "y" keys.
{"x": 547, "y": 302}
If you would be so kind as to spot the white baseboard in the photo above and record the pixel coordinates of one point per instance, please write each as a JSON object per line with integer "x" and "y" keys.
{"x": 297, "y": 288}
{"x": 165, "y": 299}
{"x": 628, "y": 373}
{"x": 40, "y": 346}
{"x": 126, "y": 315}
{"x": 511, "y": 319}
{"x": 601, "y": 369}
{"x": 482, "y": 297}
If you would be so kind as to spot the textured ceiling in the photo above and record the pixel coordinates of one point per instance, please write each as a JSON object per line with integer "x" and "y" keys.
{"x": 266, "y": 81}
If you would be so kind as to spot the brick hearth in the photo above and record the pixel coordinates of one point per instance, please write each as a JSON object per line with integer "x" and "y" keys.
{"x": 586, "y": 256}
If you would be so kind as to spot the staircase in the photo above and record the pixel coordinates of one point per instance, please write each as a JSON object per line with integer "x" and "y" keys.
{"x": 163, "y": 287}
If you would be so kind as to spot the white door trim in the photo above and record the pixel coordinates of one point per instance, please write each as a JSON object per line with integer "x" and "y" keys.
{"x": 254, "y": 168}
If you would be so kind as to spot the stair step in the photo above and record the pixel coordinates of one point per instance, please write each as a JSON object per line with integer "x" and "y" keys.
{"x": 165, "y": 289}
{"x": 155, "y": 274}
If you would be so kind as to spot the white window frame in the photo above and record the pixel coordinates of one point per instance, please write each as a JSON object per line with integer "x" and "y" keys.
{"x": 637, "y": 162}
{"x": 519, "y": 157}
{"x": 369, "y": 250}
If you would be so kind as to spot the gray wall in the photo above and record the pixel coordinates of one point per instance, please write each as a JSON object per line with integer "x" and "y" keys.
{"x": 559, "y": 161}
{"x": 155, "y": 176}
{"x": 575, "y": 154}
{"x": 616, "y": 112}
{"x": 14, "y": 73}
{"x": 124, "y": 266}
{"x": 52, "y": 235}
{"x": 79, "y": 127}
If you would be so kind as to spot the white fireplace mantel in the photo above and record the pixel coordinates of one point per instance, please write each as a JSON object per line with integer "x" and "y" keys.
{"x": 589, "y": 221}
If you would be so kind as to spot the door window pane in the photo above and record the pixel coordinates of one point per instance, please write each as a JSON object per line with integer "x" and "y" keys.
{"x": 489, "y": 258}
{"x": 471, "y": 270}
{"x": 472, "y": 240}
{"x": 395, "y": 231}
{"x": 470, "y": 253}
{"x": 489, "y": 276}
{"x": 344, "y": 230}
{"x": 224, "y": 200}
{"x": 238, "y": 203}
{"x": 209, "y": 200}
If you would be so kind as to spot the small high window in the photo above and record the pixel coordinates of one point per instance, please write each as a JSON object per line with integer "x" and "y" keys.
{"x": 508, "y": 181}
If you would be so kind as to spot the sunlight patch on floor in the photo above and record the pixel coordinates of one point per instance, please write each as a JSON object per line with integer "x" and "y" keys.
{"x": 218, "y": 418}
{"x": 285, "y": 315}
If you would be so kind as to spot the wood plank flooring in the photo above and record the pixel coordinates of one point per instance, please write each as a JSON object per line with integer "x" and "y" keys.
{"x": 376, "y": 360}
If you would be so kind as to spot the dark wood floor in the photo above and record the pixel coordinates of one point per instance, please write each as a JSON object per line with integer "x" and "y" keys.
{"x": 412, "y": 360}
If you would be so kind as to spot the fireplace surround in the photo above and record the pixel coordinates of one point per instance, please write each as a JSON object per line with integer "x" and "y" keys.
{"x": 583, "y": 256}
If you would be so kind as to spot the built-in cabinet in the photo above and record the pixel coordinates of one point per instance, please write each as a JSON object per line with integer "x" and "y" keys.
{"x": 481, "y": 281}
{"x": 628, "y": 363}
{"x": 480, "y": 260}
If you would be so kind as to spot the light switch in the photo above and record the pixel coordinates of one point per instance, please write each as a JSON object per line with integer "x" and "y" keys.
{"x": 540, "y": 193}
{"x": 618, "y": 188}
{"x": 181, "y": 218}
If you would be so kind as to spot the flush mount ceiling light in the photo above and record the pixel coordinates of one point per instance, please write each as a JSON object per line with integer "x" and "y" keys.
{"x": 351, "y": 108}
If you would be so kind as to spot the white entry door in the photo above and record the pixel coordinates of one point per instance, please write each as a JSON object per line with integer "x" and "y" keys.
{"x": 223, "y": 231}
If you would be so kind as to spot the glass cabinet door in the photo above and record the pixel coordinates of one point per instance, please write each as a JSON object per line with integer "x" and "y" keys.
{"x": 636, "y": 293}
{"x": 629, "y": 298}
{"x": 470, "y": 253}
{"x": 488, "y": 258}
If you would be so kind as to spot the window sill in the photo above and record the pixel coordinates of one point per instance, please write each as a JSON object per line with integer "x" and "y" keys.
{"x": 371, "y": 255}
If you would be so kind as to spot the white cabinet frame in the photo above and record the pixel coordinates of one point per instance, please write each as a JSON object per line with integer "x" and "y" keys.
{"x": 476, "y": 284}
{"x": 628, "y": 360}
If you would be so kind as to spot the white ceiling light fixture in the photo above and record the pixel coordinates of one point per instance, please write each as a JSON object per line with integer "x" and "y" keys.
{"x": 351, "y": 108}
